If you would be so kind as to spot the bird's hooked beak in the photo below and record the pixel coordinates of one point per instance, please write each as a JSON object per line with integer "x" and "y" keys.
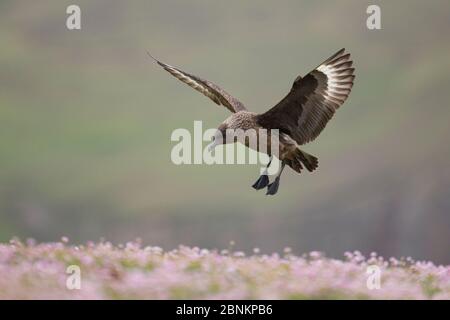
{"x": 212, "y": 145}
{"x": 216, "y": 140}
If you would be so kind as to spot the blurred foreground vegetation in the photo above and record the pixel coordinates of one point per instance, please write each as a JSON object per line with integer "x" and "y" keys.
{"x": 103, "y": 271}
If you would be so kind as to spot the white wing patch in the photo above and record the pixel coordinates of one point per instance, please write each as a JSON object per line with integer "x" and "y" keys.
{"x": 339, "y": 77}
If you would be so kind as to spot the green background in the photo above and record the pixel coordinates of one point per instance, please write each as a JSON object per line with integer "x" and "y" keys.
{"x": 86, "y": 119}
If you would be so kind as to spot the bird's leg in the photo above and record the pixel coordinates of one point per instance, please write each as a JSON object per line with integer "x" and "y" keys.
{"x": 273, "y": 187}
{"x": 263, "y": 180}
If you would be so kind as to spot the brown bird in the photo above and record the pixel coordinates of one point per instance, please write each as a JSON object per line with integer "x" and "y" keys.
{"x": 299, "y": 117}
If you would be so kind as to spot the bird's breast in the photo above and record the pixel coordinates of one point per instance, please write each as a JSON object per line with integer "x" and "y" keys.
{"x": 267, "y": 142}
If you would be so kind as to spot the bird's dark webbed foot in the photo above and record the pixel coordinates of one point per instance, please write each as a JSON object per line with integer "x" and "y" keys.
{"x": 273, "y": 187}
{"x": 262, "y": 182}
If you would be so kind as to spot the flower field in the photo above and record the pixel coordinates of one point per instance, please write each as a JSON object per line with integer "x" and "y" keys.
{"x": 131, "y": 271}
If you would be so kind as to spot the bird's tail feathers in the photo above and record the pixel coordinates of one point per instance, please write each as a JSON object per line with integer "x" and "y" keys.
{"x": 301, "y": 159}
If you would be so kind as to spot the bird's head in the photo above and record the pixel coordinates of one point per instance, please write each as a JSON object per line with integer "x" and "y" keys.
{"x": 219, "y": 136}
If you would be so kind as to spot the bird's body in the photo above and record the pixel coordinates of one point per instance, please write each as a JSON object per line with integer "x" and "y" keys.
{"x": 299, "y": 117}
{"x": 249, "y": 123}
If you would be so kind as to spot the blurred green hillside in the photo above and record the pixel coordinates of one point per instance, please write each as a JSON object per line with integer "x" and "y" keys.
{"x": 86, "y": 119}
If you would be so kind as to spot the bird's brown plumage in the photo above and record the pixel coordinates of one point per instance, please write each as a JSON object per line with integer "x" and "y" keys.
{"x": 208, "y": 88}
{"x": 313, "y": 99}
{"x": 300, "y": 116}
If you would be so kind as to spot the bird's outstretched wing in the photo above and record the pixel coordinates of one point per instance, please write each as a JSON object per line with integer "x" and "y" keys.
{"x": 209, "y": 89}
{"x": 312, "y": 101}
